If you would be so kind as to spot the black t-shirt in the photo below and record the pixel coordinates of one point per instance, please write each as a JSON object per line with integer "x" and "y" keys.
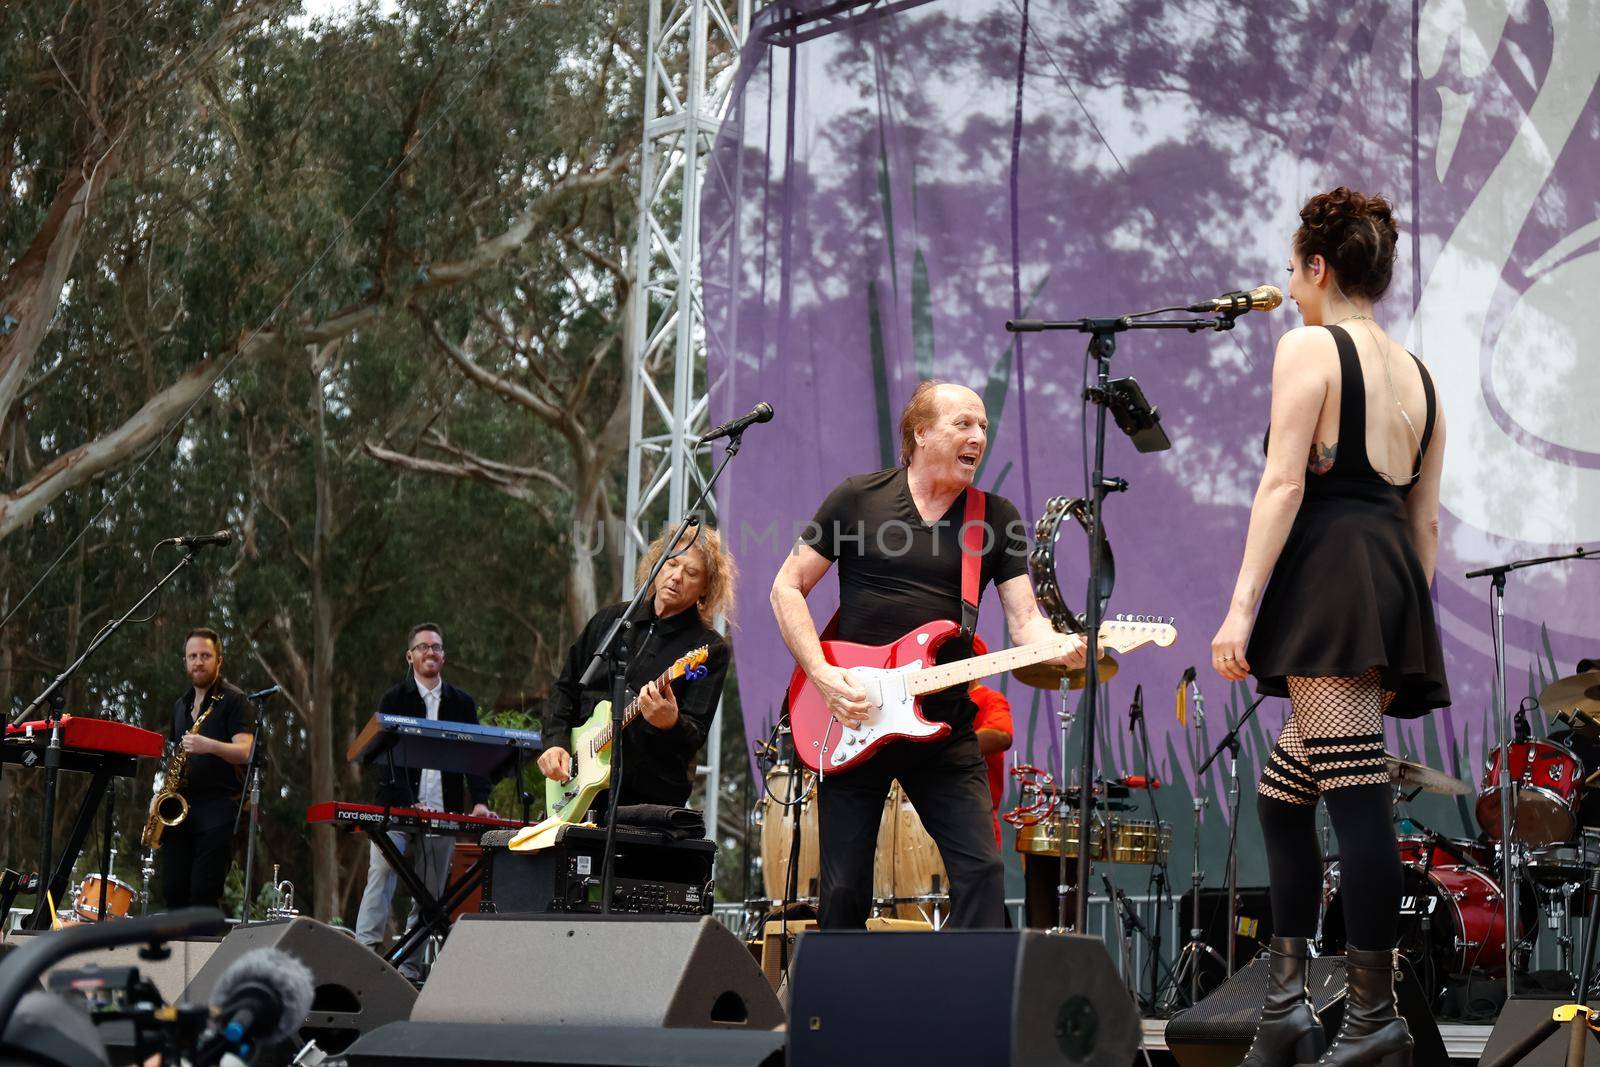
{"x": 212, "y": 785}
{"x": 657, "y": 765}
{"x": 897, "y": 572}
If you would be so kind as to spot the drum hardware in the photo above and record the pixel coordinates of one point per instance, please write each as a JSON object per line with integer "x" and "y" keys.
{"x": 1497, "y": 605}
{"x": 1190, "y": 955}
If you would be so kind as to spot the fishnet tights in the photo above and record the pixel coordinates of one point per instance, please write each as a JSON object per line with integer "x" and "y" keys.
{"x": 1333, "y": 738}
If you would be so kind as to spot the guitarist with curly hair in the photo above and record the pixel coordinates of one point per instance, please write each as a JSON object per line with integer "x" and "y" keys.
{"x": 661, "y": 746}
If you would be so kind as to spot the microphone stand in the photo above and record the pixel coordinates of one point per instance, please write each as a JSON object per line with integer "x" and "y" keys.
{"x": 615, "y": 655}
{"x": 252, "y": 797}
{"x": 1508, "y": 861}
{"x": 54, "y": 694}
{"x": 1102, "y": 346}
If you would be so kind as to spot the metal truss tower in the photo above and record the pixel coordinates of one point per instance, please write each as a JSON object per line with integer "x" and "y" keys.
{"x": 691, "y": 55}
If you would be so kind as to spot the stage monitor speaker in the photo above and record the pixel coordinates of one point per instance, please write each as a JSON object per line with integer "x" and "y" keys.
{"x": 356, "y": 991}
{"x": 170, "y": 976}
{"x": 1217, "y": 1031}
{"x": 1251, "y": 932}
{"x": 485, "y": 1045}
{"x": 1521, "y": 1016}
{"x": 1020, "y": 998}
{"x": 617, "y": 970}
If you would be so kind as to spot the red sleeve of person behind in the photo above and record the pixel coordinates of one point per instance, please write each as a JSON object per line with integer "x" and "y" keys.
{"x": 994, "y": 713}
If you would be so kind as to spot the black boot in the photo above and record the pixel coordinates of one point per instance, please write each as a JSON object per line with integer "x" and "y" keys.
{"x": 1290, "y": 1031}
{"x": 1372, "y": 1031}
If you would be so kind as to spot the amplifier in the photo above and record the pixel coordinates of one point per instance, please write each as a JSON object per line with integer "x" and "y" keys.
{"x": 653, "y": 876}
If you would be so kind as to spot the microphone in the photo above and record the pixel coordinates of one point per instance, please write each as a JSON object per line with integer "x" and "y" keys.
{"x": 1261, "y": 298}
{"x": 1136, "y": 709}
{"x": 263, "y": 998}
{"x": 762, "y": 412}
{"x": 262, "y": 694}
{"x": 1137, "y": 781}
{"x": 221, "y": 537}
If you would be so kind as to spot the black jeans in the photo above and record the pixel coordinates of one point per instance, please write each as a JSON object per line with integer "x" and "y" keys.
{"x": 948, "y": 785}
{"x": 194, "y": 865}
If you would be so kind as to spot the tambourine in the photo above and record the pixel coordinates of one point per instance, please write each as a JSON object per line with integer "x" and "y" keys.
{"x": 1042, "y": 562}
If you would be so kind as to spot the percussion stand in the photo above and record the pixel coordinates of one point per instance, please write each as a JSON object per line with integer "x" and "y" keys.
{"x": 1510, "y": 860}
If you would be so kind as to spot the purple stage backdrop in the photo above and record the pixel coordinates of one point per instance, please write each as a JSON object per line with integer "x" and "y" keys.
{"x": 897, "y": 181}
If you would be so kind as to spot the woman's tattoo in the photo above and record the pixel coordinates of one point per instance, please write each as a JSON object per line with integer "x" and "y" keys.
{"x": 1321, "y": 461}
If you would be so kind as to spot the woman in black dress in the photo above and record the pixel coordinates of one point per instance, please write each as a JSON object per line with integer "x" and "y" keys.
{"x": 1339, "y": 556}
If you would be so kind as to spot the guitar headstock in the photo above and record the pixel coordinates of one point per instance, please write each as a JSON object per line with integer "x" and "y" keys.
{"x": 1125, "y": 632}
{"x": 692, "y": 665}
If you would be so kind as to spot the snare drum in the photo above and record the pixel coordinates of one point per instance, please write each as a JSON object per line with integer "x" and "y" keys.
{"x": 1566, "y": 864}
{"x": 777, "y": 834}
{"x": 1547, "y": 803}
{"x": 1419, "y": 850}
{"x": 119, "y": 898}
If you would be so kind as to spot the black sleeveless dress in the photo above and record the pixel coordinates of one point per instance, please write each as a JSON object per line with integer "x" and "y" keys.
{"x": 1349, "y": 592}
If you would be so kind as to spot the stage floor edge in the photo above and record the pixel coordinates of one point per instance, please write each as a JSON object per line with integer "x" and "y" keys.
{"x": 1462, "y": 1041}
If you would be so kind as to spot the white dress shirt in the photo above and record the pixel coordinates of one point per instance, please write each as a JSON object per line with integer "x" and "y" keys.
{"x": 430, "y": 791}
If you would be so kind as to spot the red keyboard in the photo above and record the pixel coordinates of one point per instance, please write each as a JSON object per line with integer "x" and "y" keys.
{"x": 83, "y": 734}
{"x": 437, "y": 822}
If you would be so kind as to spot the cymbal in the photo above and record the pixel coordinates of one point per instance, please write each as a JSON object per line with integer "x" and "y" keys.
{"x": 1048, "y": 675}
{"x": 1578, "y": 693}
{"x": 1409, "y": 775}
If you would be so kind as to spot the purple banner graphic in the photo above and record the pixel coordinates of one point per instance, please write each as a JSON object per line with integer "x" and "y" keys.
{"x": 896, "y": 183}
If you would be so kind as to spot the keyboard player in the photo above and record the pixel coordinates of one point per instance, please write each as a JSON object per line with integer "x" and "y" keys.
{"x": 424, "y": 694}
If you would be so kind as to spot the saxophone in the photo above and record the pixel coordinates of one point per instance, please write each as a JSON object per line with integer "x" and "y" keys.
{"x": 170, "y": 808}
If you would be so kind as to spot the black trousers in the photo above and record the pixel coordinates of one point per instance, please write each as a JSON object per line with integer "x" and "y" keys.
{"x": 194, "y": 865}
{"x": 948, "y": 785}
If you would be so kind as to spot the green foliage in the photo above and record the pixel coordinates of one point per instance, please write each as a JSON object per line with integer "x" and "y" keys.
{"x": 306, "y": 176}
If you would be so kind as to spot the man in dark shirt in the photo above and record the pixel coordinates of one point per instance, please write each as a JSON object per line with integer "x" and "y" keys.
{"x": 896, "y": 537}
{"x": 196, "y": 853}
{"x": 423, "y": 695}
{"x": 659, "y": 749}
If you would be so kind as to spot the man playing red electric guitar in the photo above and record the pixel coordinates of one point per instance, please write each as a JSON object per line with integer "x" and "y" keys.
{"x": 896, "y": 535}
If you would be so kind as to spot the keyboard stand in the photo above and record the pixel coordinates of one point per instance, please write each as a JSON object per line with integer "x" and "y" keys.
{"x": 433, "y": 913}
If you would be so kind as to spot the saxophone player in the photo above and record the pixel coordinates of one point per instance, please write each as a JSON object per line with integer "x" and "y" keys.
{"x": 214, "y": 726}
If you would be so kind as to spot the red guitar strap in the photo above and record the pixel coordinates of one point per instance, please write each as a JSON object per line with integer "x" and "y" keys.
{"x": 972, "y": 531}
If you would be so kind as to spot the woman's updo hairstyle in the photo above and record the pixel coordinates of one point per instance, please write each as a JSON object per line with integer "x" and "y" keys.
{"x": 1356, "y": 234}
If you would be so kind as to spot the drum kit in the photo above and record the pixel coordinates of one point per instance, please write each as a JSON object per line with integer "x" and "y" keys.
{"x": 1453, "y": 904}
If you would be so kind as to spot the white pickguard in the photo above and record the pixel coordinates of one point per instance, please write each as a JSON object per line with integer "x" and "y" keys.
{"x": 893, "y": 714}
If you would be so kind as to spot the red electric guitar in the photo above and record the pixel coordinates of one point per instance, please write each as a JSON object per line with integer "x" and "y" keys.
{"x": 896, "y": 675}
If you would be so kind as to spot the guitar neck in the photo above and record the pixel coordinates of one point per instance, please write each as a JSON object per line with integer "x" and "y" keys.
{"x": 944, "y": 675}
{"x": 631, "y": 712}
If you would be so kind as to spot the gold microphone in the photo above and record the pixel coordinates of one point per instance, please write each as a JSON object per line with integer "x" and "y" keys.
{"x": 1261, "y": 298}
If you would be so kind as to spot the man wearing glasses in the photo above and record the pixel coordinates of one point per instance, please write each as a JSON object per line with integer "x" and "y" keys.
{"x": 423, "y": 694}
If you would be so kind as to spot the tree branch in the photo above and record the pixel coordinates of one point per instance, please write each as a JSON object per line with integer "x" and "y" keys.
{"x": 499, "y": 483}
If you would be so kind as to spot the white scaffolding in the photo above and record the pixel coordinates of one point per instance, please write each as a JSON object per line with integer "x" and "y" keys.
{"x": 691, "y": 56}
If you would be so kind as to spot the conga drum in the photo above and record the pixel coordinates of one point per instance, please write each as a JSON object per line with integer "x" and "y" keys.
{"x": 777, "y": 834}
{"x": 908, "y": 868}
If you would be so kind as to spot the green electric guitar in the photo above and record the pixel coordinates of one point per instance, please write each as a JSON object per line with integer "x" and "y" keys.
{"x": 591, "y": 747}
